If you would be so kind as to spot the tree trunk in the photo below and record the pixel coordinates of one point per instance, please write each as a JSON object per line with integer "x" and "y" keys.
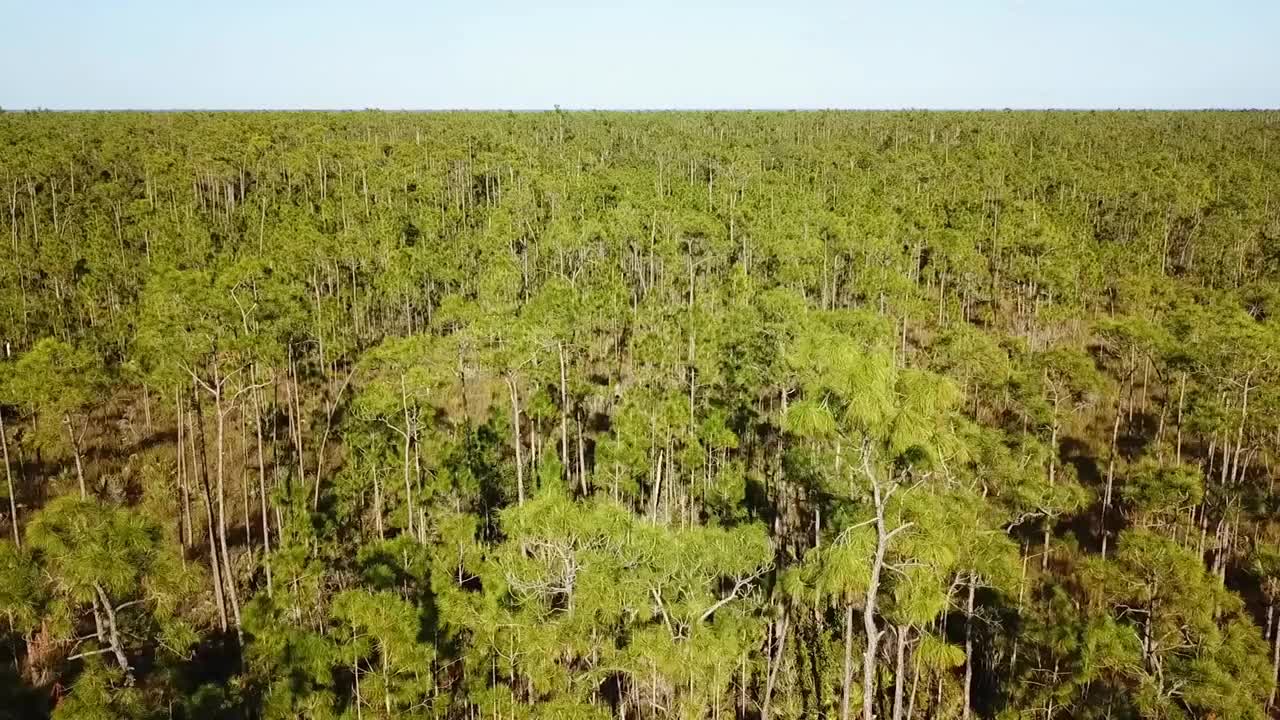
{"x": 75, "y": 449}
{"x": 915, "y": 685}
{"x": 1111, "y": 474}
{"x": 1048, "y": 520}
{"x": 899, "y": 679}
{"x": 873, "y": 640}
{"x": 847, "y": 685}
{"x": 1182, "y": 392}
{"x": 582, "y": 460}
{"x": 113, "y": 633}
{"x": 146, "y": 406}
{"x": 214, "y": 563}
{"x": 245, "y": 484}
{"x": 185, "y": 472}
{"x": 564, "y": 416}
{"x": 515, "y": 437}
{"x": 355, "y": 671}
{"x": 968, "y": 649}
{"x": 377, "y": 504}
{"x": 408, "y": 439}
{"x": 262, "y": 485}
{"x": 220, "y": 438}
{"x": 1275, "y": 667}
{"x": 883, "y": 536}
{"x": 295, "y": 415}
{"x": 8, "y": 477}
{"x": 776, "y": 664}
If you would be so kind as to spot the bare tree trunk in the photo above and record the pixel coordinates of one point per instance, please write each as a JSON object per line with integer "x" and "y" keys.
{"x": 220, "y": 438}
{"x": 146, "y": 406}
{"x": 564, "y": 415}
{"x": 968, "y": 649}
{"x": 515, "y": 432}
{"x": 915, "y": 685}
{"x": 1111, "y": 474}
{"x": 75, "y": 449}
{"x": 214, "y": 562}
{"x": 1182, "y": 392}
{"x": 245, "y": 484}
{"x": 1244, "y": 416}
{"x": 883, "y": 536}
{"x": 582, "y": 460}
{"x": 262, "y": 484}
{"x": 330, "y": 407}
{"x": 184, "y": 473}
{"x": 377, "y": 504}
{"x": 772, "y": 678}
{"x": 8, "y": 477}
{"x": 113, "y": 632}
{"x": 899, "y": 677}
{"x": 355, "y": 671}
{"x": 295, "y": 416}
{"x": 1275, "y": 666}
{"x": 847, "y": 683}
{"x": 1053, "y": 465}
{"x": 408, "y": 439}
{"x": 872, "y": 640}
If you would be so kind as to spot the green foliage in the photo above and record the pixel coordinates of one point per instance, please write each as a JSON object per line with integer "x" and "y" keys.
{"x": 100, "y": 694}
{"x": 595, "y": 415}
{"x": 23, "y": 594}
{"x": 56, "y": 379}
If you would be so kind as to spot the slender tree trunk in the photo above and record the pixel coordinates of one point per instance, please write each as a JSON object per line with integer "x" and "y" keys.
{"x": 146, "y": 406}
{"x": 75, "y": 449}
{"x": 1182, "y": 392}
{"x": 582, "y": 460}
{"x": 968, "y": 649}
{"x": 330, "y": 407}
{"x": 1244, "y": 416}
{"x": 915, "y": 685}
{"x": 295, "y": 419}
{"x": 515, "y": 433}
{"x": 847, "y": 684}
{"x": 776, "y": 664}
{"x": 1111, "y": 474}
{"x": 386, "y": 685}
{"x": 872, "y": 640}
{"x": 355, "y": 671}
{"x": 657, "y": 485}
{"x": 262, "y": 484}
{"x": 245, "y": 483}
{"x": 377, "y": 504}
{"x": 8, "y": 477}
{"x": 1053, "y": 464}
{"x": 883, "y": 536}
{"x": 564, "y": 415}
{"x": 220, "y": 439}
{"x": 99, "y": 625}
{"x": 113, "y": 632}
{"x": 1275, "y": 666}
{"x": 185, "y": 472}
{"x": 899, "y": 677}
{"x": 1049, "y": 708}
{"x": 198, "y": 421}
{"x": 408, "y": 439}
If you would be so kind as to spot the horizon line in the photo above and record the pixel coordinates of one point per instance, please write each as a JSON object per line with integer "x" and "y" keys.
{"x": 557, "y": 108}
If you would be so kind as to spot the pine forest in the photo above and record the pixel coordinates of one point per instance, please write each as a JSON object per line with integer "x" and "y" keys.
{"x": 639, "y": 415}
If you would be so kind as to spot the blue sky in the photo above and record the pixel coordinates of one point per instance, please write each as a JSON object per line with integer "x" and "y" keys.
{"x": 694, "y": 54}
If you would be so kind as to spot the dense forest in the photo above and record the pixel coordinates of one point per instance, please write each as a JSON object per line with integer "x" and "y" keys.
{"x": 640, "y": 415}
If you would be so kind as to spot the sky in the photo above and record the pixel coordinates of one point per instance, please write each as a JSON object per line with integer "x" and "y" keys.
{"x": 501, "y": 54}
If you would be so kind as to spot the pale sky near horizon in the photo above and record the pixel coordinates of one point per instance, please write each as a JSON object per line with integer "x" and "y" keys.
{"x": 393, "y": 54}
